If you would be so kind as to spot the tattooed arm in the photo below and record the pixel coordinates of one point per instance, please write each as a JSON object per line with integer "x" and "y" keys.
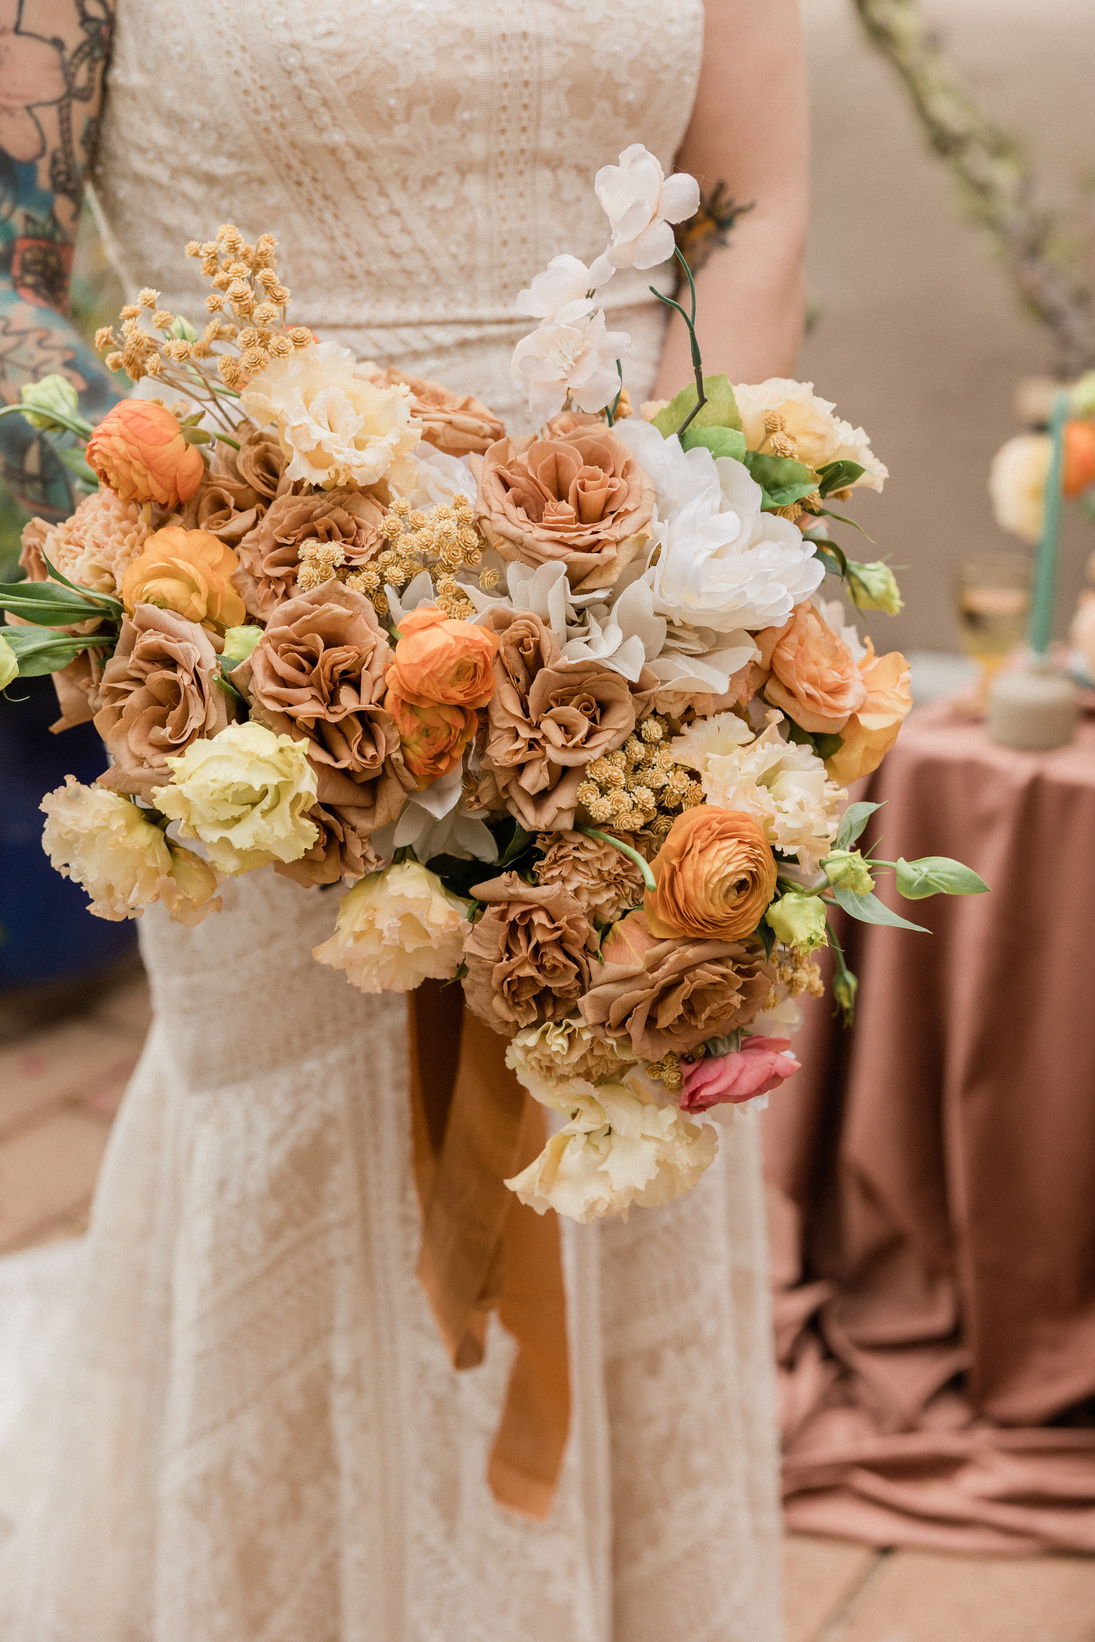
{"x": 53, "y": 55}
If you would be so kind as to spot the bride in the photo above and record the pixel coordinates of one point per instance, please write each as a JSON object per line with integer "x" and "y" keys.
{"x": 225, "y": 1414}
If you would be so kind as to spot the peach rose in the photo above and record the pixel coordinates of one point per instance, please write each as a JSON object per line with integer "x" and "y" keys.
{"x": 432, "y": 739}
{"x": 715, "y": 875}
{"x": 871, "y": 732}
{"x": 138, "y": 450}
{"x": 582, "y": 500}
{"x": 455, "y": 423}
{"x": 814, "y": 676}
{"x": 440, "y": 660}
{"x": 187, "y": 571}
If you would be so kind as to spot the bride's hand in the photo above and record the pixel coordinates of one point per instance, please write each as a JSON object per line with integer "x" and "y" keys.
{"x": 44, "y": 151}
{"x": 749, "y": 132}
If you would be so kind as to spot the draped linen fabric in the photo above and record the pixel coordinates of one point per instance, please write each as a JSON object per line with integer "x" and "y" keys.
{"x": 934, "y": 1176}
{"x": 241, "y": 1421}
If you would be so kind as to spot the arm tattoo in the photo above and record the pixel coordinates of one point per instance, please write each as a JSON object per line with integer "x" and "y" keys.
{"x": 56, "y": 52}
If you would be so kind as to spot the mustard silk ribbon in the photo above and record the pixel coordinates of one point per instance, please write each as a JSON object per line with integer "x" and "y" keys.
{"x": 473, "y": 1126}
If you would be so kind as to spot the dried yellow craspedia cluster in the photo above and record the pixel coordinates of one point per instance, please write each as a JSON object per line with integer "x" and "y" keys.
{"x": 640, "y": 785}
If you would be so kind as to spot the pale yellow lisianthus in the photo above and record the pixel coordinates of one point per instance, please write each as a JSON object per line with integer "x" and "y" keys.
{"x": 244, "y": 793}
{"x": 618, "y": 1149}
{"x": 1017, "y": 484}
{"x": 336, "y": 425}
{"x": 819, "y": 435}
{"x": 109, "y": 846}
{"x": 397, "y": 928}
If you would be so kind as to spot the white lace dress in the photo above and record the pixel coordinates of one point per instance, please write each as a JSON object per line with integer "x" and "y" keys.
{"x": 225, "y": 1415}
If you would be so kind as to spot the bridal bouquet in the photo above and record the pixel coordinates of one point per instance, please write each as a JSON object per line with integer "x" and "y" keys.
{"x": 574, "y": 715}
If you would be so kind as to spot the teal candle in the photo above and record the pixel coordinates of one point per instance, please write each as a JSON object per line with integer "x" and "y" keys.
{"x": 1045, "y": 564}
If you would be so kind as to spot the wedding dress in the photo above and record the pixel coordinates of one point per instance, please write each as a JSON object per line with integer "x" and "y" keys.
{"x": 225, "y": 1414}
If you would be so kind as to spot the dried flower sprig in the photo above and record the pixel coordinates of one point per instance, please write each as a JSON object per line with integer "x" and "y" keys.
{"x": 640, "y": 786}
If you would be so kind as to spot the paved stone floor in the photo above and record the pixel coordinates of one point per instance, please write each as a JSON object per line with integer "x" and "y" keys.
{"x": 60, "y": 1084}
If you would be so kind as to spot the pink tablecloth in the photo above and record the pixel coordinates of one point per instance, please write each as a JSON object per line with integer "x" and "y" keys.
{"x": 933, "y": 1177}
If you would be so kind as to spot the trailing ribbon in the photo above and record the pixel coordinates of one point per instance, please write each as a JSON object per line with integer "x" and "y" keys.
{"x": 482, "y": 1250}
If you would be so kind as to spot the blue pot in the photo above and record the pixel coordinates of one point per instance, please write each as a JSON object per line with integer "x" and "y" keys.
{"x": 47, "y": 931}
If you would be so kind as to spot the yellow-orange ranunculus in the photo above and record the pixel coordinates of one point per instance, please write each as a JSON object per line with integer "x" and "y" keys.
{"x": 188, "y": 571}
{"x": 714, "y": 875}
{"x": 138, "y": 450}
{"x": 441, "y": 660}
{"x": 814, "y": 679}
{"x": 432, "y": 739}
{"x": 871, "y": 732}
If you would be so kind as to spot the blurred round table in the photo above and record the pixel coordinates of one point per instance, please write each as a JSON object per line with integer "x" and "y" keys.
{"x": 934, "y": 1174}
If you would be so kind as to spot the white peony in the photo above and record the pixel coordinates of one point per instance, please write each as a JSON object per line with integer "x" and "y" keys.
{"x": 559, "y": 295}
{"x": 782, "y": 785}
{"x": 641, "y": 203}
{"x": 397, "y": 928}
{"x": 1017, "y": 484}
{"x": 618, "y": 1149}
{"x": 819, "y": 436}
{"x": 244, "y": 793}
{"x": 336, "y": 425}
{"x": 578, "y": 359}
{"x": 720, "y": 562}
{"x": 123, "y": 860}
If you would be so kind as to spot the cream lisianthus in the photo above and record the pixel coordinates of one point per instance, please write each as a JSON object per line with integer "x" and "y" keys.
{"x": 578, "y": 358}
{"x": 641, "y": 203}
{"x": 1017, "y": 484}
{"x": 819, "y": 436}
{"x": 397, "y": 928}
{"x": 108, "y": 845}
{"x": 335, "y": 424}
{"x": 618, "y": 1149}
{"x": 779, "y": 783}
{"x": 244, "y": 793}
{"x": 557, "y": 1061}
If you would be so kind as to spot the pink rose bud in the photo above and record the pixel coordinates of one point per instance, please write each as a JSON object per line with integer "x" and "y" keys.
{"x": 757, "y": 1067}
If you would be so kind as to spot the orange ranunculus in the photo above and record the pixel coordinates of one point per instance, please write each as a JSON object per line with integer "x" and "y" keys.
{"x": 432, "y": 739}
{"x": 138, "y": 450}
{"x": 188, "y": 571}
{"x": 871, "y": 732}
{"x": 815, "y": 680}
{"x": 440, "y": 660}
{"x": 715, "y": 875}
{"x": 1079, "y": 456}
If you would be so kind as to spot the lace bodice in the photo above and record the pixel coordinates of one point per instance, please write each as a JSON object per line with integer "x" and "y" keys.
{"x": 419, "y": 160}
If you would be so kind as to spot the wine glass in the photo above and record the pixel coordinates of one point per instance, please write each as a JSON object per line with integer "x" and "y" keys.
{"x": 992, "y": 598}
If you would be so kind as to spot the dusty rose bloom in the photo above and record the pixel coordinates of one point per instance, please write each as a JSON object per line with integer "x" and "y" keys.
{"x": 601, "y": 879}
{"x": 582, "y": 500}
{"x": 317, "y": 674}
{"x": 94, "y": 548}
{"x": 456, "y": 423}
{"x": 260, "y": 460}
{"x": 757, "y": 1068}
{"x": 342, "y": 849}
{"x": 680, "y": 993}
{"x": 529, "y": 955}
{"x": 158, "y": 694}
{"x": 270, "y": 553}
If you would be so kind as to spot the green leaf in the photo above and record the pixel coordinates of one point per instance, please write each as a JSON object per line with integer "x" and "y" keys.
{"x": 720, "y": 411}
{"x": 74, "y": 460}
{"x": 838, "y": 476}
{"x": 936, "y": 875}
{"x": 827, "y": 746}
{"x": 832, "y": 557}
{"x": 106, "y": 599}
{"x": 519, "y": 845}
{"x": 852, "y": 823}
{"x": 870, "y": 910}
{"x": 44, "y": 652}
{"x": 719, "y": 441}
{"x": 767, "y": 937}
{"x": 782, "y": 479}
{"x": 47, "y": 605}
{"x": 841, "y": 519}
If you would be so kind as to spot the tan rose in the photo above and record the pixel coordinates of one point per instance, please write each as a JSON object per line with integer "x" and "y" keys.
{"x": 814, "y": 676}
{"x": 582, "y": 500}
{"x": 528, "y": 958}
{"x": 871, "y": 732}
{"x": 602, "y": 880}
{"x": 260, "y": 461}
{"x": 679, "y": 994}
{"x": 458, "y": 424}
{"x": 715, "y": 875}
{"x": 270, "y": 554}
{"x": 225, "y": 507}
{"x": 159, "y": 693}
{"x": 342, "y": 849}
{"x": 317, "y": 674}
{"x": 187, "y": 571}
